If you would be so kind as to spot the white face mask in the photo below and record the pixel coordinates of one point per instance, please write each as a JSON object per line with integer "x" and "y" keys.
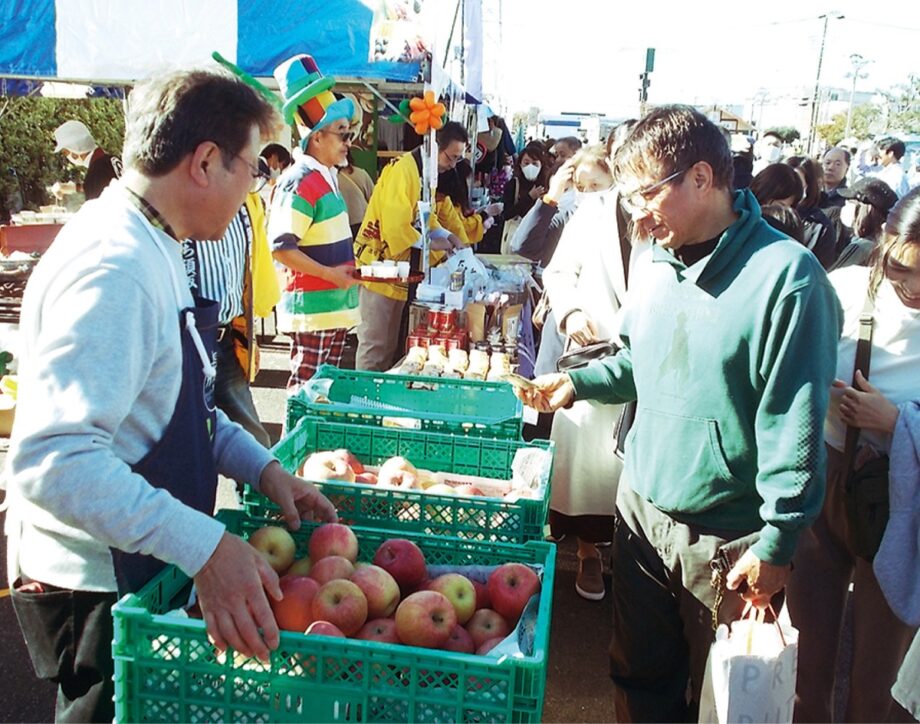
{"x": 848, "y": 214}
{"x": 274, "y": 174}
{"x": 78, "y": 160}
{"x": 772, "y": 154}
{"x": 531, "y": 171}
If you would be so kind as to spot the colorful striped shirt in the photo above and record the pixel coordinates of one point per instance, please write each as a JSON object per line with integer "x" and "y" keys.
{"x": 309, "y": 214}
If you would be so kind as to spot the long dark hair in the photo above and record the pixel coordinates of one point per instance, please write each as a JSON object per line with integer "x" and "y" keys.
{"x": 777, "y": 181}
{"x": 535, "y": 151}
{"x": 902, "y": 227}
{"x": 813, "y": 180}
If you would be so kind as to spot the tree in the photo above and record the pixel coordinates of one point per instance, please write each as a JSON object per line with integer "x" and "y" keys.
{"x": 904, "y": 106}
{"x": 863, "y": 117}
{"x": 27, "y": 160}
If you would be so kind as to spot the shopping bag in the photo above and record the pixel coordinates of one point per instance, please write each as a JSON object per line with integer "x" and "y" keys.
{"x": 751, "y": 671}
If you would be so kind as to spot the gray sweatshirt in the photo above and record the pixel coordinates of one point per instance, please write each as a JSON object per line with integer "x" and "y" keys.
{"x": 99, "y": 377}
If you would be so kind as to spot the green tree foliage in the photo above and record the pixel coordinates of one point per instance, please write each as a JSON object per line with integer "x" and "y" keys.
{"x": 904, "y": 107}
{"x": 27, "y": 143}
{"x": 787, "y": 134}
{"x": 864, "y": 116}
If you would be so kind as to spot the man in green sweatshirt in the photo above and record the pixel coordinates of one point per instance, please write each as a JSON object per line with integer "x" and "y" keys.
{"x": 730, "y": 336}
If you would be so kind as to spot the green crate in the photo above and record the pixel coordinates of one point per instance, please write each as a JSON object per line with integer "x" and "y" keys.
{"x": 478, "y": 518}
{"x": 438, "y": 404}
{"x": 166, "y": 671}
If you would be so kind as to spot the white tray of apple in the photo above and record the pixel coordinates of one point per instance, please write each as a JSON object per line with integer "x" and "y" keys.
{"x": 397, "y": 598}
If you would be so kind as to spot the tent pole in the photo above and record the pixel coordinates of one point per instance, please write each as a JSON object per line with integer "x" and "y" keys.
{"x": 450, "y": 37}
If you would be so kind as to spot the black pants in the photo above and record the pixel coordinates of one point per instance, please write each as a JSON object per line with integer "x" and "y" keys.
{"x": 69, "y": 637}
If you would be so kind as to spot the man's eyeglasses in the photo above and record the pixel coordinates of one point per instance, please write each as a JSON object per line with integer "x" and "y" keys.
{"x": 639, "y": 199}
{"x": 259, "y": 177}
{"x": 346, "y": 136}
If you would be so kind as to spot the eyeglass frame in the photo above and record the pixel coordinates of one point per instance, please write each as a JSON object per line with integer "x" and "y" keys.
{"x": 259, "y": 179}
{"x": 344, "y": 136}
{"x": 628, "y": 200}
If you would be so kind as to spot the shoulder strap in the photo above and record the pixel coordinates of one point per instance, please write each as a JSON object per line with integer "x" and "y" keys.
{"x": 863, "y": 357}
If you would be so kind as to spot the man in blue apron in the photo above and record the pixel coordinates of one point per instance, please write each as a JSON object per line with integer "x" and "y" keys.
{"x": 118, "y": 444}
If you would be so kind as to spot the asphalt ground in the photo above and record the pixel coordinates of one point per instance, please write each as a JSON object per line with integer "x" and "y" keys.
{"x": 577, "y": 687}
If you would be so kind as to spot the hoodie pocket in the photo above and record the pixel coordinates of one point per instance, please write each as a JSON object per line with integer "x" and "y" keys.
{"x": 678, "y": 461}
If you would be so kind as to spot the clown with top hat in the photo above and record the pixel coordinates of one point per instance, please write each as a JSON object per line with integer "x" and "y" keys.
{"x": 308, "y": 226}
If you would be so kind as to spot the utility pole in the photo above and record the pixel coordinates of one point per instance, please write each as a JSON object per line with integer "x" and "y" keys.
{"x": 646, "y": 80}
{"x": 858, "y": 64}
{"x": 812, "y": 126}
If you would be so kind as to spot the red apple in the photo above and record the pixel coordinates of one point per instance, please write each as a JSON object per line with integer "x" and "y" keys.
{"x": 367, "y": 478}
{"x": 460, "y": 641}
{"x": 482, "y": 595}
{"x": 468, "y": 489}
{"x": 403, "y": 560}
{"x": 331, "y": 569}
{"x": 300, "y": 567}
{"x": 333, "y": 539}
{"x": 487, "y": 624}
{"x": 459, "y": 591}
{"x": 379, "y": 588}
{"x": 341, "y": 603}
{"x": 350, "y": 459}
{"x": 276, "y": 546}
{"x": 294, "y": 612}
{"x": 324, "y": 628}
{"x": 398, "y": 473}
{"x": 510, "y": 587}
{"x": 322, "y": 466}
{"x": 425, "y": 619}
{"x": 488, "y": 645}
{"x": 380, "y": 629}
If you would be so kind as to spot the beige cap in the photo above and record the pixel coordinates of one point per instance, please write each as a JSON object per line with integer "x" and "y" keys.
{"x": 73, "y": 136}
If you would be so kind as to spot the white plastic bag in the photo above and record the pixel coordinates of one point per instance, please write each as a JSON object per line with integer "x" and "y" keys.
{"x": 751, "y": 672}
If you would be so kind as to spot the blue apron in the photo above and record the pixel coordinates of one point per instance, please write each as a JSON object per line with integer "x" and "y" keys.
{"x": 182, "y": 461}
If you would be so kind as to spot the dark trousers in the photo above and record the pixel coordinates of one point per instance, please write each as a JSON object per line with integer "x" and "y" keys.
{"x": 232, "y": 393}
{"x": 69, "y": 637}
{"x": 662, "y": 619}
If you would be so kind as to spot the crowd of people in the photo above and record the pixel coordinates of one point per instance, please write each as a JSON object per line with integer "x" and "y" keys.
{"x": 722, "y": 288}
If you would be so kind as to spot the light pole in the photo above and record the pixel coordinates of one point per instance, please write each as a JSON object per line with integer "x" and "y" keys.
{"x": 814, "y": 100}
{"x": 858, "y": 64}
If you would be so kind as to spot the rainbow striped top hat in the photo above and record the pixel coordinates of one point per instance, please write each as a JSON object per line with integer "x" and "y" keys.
{"x": 308, "y": 97}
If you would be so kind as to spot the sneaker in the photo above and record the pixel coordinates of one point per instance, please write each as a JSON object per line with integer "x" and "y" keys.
{"x": 589, "y": 583}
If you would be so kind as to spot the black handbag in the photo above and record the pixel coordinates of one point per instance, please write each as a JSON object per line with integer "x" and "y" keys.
{"x": 866, "y": 490}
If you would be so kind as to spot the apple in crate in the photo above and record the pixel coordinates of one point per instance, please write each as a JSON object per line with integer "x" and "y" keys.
{"x": 425, "y": 618}
{"x": 398, "y": 473}
{"x": 510, "y": 587}
{"x": 366, "y": 478}
{"x": 300, "y": 567}
{"x": 460, "y": 641}
{"x": 322, "y": 466}
{"x": 333, "y": 539}
{"x": 294, "y": 612}
{"x": 341, "y": 603}
{"x": 379, "y": 588}
{"x": 488, "y": 645}
{"x": 459, "y": 591}
{"x": 403, "y": 560}
{"x": 468, "y": 489}
{"x": 487, "y": 624}
{"x": 380, "y": 629}
{"x": 482, "y": 595}
{"x": 324, "y": 628}
{"x": 276, "y": 546}
{"x": 331, "y": 568}
{"x": 440, "y": 489}
{"x": 350, "y": 459}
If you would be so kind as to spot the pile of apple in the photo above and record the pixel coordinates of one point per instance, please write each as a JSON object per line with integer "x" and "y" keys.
{"x": 396, "y": 472}
{"x": 391, "y": 600}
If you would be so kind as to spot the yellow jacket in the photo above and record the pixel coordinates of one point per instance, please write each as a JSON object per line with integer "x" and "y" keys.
{"x": 261, "y": 291}
{"x": 468, "y": 228}
{"x": 387, "y": 231}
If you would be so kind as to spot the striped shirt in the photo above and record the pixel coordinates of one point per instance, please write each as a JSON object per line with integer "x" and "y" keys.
{"x": 217, "y": 269}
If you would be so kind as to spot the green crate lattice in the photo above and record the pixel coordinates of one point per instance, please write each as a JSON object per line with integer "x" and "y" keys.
{"x": 415, "y": 510}
{"x": 438, "y": 404}
{"x": 166, "y": 671}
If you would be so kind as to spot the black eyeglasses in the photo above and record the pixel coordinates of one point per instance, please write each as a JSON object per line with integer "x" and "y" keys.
{"x": 258, "y": 176}
{"x": 639, "y": 199}
{"x": 346, "y": 136}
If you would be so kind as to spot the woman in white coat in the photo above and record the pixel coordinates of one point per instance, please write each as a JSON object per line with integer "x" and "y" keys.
{"x": 586, "y": 283}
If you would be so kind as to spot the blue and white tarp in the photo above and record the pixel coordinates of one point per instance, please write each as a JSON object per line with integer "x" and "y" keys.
{"x": 126, "y": 40}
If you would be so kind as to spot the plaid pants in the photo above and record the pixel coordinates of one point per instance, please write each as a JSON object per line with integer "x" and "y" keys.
{"x": 309, "y": 350}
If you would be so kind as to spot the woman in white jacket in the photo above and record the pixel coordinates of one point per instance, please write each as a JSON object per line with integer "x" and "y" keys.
{"x": 586, "y": 283}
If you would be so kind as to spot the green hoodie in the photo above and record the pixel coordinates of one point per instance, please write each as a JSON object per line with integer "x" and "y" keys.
{"x": 731, "y": 361}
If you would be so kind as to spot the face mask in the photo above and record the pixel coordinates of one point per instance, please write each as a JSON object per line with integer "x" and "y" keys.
{"x": 79, "y": 161}
{"x": 848, "y": 215}
{"x": 531, "y": 172}
{"x": 773, "y": 154}
{"x": 274, "y": 175}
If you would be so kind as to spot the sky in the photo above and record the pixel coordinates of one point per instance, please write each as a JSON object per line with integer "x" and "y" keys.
{"x": 586, "y": 55}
